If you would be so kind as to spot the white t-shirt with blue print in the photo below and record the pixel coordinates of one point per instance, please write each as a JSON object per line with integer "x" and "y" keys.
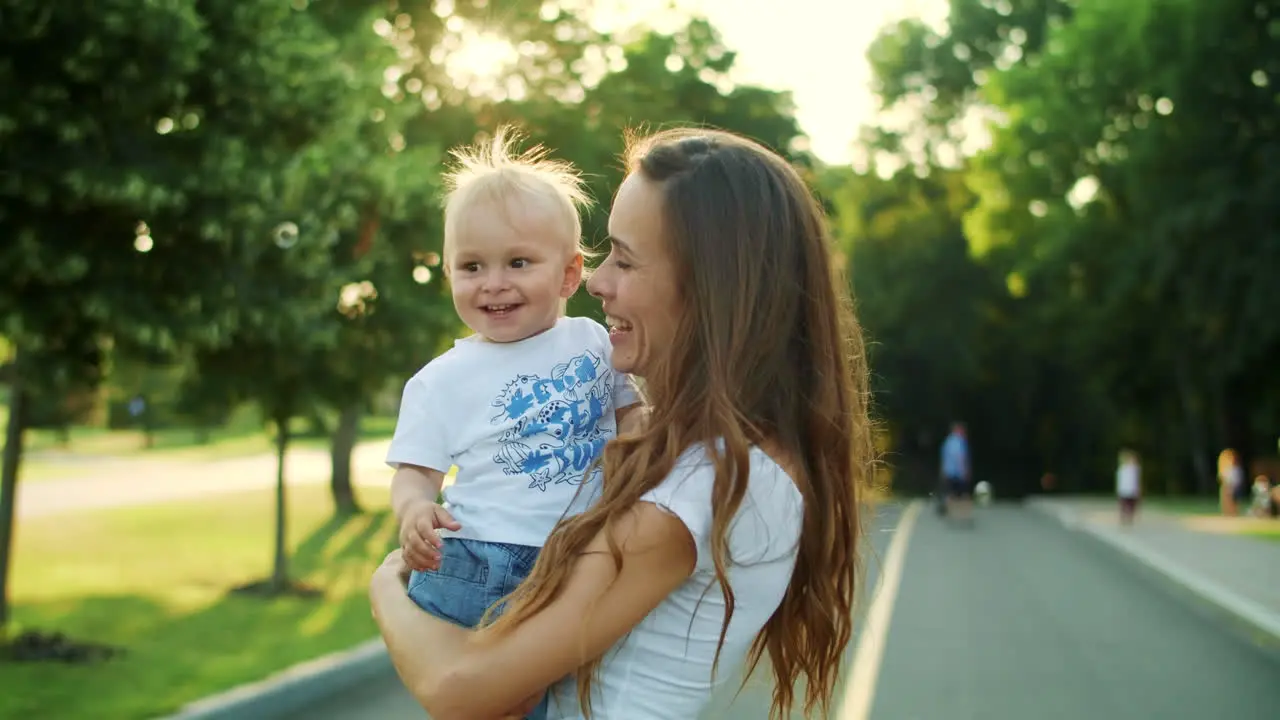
{"x": 523, "y": 421}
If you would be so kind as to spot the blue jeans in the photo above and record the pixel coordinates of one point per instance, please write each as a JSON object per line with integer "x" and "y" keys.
{"x": 473, "y": 576}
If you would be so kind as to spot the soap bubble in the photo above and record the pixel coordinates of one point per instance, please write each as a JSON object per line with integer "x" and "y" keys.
{"x": 286, "y": 235}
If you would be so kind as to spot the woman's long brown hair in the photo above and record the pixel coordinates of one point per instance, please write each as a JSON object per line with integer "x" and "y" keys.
{"x": 768, "y": 352}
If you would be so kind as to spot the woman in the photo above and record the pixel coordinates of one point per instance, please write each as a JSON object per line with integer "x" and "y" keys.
{"x": 728, "y": 525}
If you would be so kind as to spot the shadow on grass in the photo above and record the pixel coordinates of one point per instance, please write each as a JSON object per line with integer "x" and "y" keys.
{"x": 345, "y": 538}
{"x": 175, "y": 654}
{"x": 310, "y": 553}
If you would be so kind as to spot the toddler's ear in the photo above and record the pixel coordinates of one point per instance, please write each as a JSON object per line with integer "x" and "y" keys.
{"x": 572, "y": 276}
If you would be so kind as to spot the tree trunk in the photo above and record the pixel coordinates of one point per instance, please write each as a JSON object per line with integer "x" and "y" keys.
{"x": 280, "y": 568}
{"x": 148, "y": 431}
{"x": 341, "y": 445}
{"x": 12, "y": 461}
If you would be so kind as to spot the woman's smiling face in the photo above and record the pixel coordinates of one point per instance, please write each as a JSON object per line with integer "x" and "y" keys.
{"x": 637, "y": 281}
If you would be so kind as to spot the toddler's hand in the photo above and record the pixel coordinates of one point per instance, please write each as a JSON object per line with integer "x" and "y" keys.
{"x": 418, "y": 537}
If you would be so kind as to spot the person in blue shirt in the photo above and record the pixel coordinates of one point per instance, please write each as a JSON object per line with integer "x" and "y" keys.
{"x": 956, "y": 474}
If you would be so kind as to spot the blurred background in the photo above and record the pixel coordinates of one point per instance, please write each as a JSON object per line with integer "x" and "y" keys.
{"x": 219, "y": 238}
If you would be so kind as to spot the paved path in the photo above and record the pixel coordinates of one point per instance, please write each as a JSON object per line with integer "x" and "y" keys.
{"x": 1017, "y": 618}
{"x": 1207, "y": 553}
{"x": 142, "y": 482}
{"x": 1021, "y": 617}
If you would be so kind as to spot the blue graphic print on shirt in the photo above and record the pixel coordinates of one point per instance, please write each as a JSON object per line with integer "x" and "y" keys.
{"x": 557, "y": 431}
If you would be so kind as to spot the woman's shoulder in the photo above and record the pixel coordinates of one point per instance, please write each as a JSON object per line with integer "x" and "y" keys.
{"x": 766, "y": 524}
{"x": 691, "y": 481}
{"x": 766, "y": 462}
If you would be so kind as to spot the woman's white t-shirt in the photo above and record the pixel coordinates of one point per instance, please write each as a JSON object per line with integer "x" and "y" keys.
{"x": 662, "y": 669}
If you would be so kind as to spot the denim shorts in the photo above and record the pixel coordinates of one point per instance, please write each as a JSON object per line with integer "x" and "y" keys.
{"x": 473, "y": 576}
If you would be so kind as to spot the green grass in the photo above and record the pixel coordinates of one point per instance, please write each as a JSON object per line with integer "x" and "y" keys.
{"x": 1271, "y": 533}
{"x": 155, "y": 580}
{"x": 1191, "y": 505}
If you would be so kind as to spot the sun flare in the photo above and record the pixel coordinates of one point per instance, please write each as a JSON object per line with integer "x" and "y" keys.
{"x": 481, "y": 56}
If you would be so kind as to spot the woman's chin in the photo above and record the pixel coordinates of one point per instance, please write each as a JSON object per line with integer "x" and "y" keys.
{"x": 625, "y": 362}
{"x": 628, "y": 354}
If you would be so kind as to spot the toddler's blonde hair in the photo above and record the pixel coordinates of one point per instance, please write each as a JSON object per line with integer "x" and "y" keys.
{"x": 495, "y": 171}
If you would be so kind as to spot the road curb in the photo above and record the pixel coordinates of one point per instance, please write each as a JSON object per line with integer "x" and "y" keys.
{"x": 1259, "y": 623}
{"x": 294, "y": 688}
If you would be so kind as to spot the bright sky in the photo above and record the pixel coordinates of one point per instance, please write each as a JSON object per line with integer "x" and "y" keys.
{"x": 814, "y": 48}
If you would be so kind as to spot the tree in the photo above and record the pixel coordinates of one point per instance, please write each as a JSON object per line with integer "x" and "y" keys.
{"x": 147, "y": 143}
{"x": 934, "y": 79}
{"x": 1163, "y": 149}
{"x": 320, "y": 326}
{"x": 66, "y": 182}
{"x": 1125, "y": 139}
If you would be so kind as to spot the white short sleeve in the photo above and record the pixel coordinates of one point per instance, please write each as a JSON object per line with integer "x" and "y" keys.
{"x": 624, "y": 390}
{"x": 421, "y": 434}
{"x": 686, "y": 493}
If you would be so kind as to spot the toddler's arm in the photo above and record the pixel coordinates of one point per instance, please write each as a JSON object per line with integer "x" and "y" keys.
{"x": 412, "y": 484}
{"x": 414, "y": 491}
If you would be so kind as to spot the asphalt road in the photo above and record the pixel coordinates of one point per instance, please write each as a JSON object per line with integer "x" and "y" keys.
{"x": 1015, "y": 618}
{"x": 1022, "y": 618}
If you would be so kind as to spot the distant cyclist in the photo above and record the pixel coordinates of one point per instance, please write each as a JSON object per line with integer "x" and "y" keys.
{"x": 956, "y": 474}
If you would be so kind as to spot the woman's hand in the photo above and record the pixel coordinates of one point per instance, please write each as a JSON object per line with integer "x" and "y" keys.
{"x": 390, "y": 578}
{"x": 394, "y": 566}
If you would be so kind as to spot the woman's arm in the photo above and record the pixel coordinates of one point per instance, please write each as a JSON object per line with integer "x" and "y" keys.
{"x": 457, "y": 673}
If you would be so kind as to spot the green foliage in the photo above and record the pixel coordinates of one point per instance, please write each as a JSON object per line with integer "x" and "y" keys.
{"x": 165, "y": 156}
{"x": 221, "y": 204}
{"x": 170, "y": 114}
{"x": 653, "y": 81}
{"x": 260, "y": 214}
{"x": 1122, "y": 197}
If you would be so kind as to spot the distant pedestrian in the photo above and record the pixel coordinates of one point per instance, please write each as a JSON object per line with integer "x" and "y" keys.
{"x": 1261, "y": 506}
{"x": 1128, "y": 485}
{"x": 1230, "y": 481}
{"x": 956, "y": 475}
